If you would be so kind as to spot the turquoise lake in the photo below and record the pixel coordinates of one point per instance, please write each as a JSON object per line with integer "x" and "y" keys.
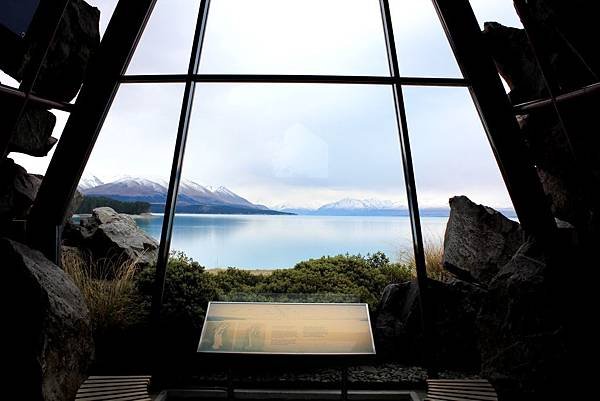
{"x": 268, "y": 242}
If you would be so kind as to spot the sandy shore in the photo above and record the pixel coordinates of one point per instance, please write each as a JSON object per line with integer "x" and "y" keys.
{"x": 258, "y": 272}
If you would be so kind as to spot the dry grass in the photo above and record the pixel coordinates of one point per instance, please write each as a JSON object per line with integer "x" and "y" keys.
{"x": 107, "y": 287}
{"x": 434, "y": 255}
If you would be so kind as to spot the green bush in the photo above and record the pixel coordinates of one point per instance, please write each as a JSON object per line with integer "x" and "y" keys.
{"x": 363, "y": 277}
{"x": 188, "y": 288}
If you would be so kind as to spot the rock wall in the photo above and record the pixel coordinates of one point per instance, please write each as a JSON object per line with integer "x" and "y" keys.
{"x": 49, "y": 346}
{"x": 60, "y": 77}
{"x": 566, "y": 153}
{"x": 498, "y": 316}
{"x": 48, "y": 326}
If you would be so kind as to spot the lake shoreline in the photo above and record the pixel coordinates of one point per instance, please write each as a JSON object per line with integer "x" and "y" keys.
{"x": 254, "y": 271}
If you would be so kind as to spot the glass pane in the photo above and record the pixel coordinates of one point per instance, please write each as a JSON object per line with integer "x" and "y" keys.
{"x": 133, "y": 154}
{"x": 451, "y": 157}
{"x": 451, "y": 153}
{"x": 39, "y": 165}
{"x": 166, "y": 43}
{"x": 328, "y": 154}
{"x": 295, "y": 37}
{"x": 421, "y": 44}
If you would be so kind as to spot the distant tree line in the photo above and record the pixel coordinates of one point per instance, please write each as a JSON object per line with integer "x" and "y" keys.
{"x": 91, "y": 202}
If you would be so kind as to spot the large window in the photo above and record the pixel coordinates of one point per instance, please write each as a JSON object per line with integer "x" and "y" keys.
{"x": 264, "y": 133}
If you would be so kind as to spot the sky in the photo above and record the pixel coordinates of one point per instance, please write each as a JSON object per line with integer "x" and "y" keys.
{"x": 296, "y": 144}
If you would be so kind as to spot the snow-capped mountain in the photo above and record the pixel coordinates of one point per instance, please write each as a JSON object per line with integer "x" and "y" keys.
{"x": 363, "y": 207}
{"x": 363, "y": 204}
{"x": 127, "y": 186}
{"x": 192, "y": 197}
{"x": 89, "y": 182}
{"x": 212, "y": 195}
{"x": 349, "y": 207}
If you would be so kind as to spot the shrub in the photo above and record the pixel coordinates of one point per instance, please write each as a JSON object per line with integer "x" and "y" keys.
{"x": 187, "y": 290}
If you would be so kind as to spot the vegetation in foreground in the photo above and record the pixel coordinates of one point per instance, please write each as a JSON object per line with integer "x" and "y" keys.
{"x": 119, "y": 294}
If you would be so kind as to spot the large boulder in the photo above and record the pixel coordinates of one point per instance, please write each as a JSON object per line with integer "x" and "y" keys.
{"x": 515, "y": 62}
{"x": 32, "y": 133}
{"x": 63, "y": 70}
{"x": 18, "y": 190}
{"x": 478, "y": 239}
{"x": 397, "y": 322}
{"x": 107, "y": 234}
{"x": 452, "y": 310}
{"x": 47, "y": 322}
{"x": 523, "y": 343}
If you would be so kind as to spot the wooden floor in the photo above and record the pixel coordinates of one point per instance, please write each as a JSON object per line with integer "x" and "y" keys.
{"x": 460, "y": 390}
{"x": 117, "y": 388}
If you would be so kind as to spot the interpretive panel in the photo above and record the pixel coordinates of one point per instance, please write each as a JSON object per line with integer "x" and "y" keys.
{"x": 287, "y": 328}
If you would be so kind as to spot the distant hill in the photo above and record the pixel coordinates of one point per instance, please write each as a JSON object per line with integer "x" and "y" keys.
{"x": 352, "y": 207}
{"x": 89, "y": 203}
{"x": 371, "y": 207}
{"x": 192, "y": 197}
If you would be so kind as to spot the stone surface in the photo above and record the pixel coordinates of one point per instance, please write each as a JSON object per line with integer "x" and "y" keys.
{"x": 523, "y": 345}
{"x": 515, "y": 61}
{"x": 453, "y": 309}
{"x": 18, "y": 190}
{"x": 479, "y": 239}
{"x": 32, "y": 135}
{"x": 108, "y": 234}
{"x": 76, "y": 41}
{"x": 397, "y": 324}
{"x": 568, "y": 160}
{"x": 48, "y": 326}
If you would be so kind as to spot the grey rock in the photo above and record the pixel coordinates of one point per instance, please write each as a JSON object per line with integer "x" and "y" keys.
{"x": 568, "y": 163}
{"x": 49, "y": 343}
{"x": 108, "y": 234}
{"x": 74, "y": 205}
{"x": 453, "y": 308}
{"x": 18, "y": 190}
{"x": 515, "y": 61}
{"x": 32, "y": 133}
{"x": 63, "y": 70}
{"x": 479, "y": 239}
{"x": 523, "y": 344}
{"x": 397, "y": 322}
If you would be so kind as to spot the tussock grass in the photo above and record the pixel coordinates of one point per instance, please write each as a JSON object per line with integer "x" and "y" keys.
{"x": 434, "y": 255}
{"x": 107, "y": 286}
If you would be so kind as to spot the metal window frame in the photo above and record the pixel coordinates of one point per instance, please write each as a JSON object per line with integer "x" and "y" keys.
{"x": 395, "y": 80}
{"x": 107, "y": 72}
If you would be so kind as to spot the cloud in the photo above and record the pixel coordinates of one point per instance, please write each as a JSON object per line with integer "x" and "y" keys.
{"x": 301, "y": 143}
{"x": 301, "y": 153}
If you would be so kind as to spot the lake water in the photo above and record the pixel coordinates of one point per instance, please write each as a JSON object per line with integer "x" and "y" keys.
{"x": 268, "y": 242}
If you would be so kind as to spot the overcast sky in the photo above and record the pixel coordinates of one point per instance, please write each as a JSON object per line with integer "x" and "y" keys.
{"x": 300, "y": 144}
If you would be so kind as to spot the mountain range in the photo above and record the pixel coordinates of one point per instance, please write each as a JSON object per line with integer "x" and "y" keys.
{"x": 196, "y": 198}
{"x": 192, "y": 197}
{"x": 361, "y": 207}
